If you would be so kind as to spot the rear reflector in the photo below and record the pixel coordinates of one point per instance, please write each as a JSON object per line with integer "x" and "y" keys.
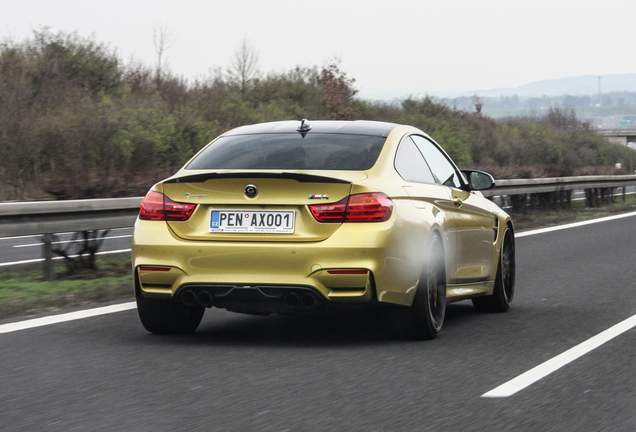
{"x": 369, "y": 207}
{"x": 347, "y": 272}
{"x": 162, "y": 269}
{"x": 157, "y": 206}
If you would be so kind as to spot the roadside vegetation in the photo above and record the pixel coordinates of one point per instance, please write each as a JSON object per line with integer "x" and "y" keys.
{"x": 25, "y": 292}
{"x": 78, "y": 122}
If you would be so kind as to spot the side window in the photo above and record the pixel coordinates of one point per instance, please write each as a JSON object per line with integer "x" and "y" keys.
{"x": 410, "y": 164}
{"x": 443, "y": 170}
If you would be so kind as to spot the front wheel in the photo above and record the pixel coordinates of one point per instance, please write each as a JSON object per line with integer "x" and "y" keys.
{"x": 426, "y": 315}
{"x": 168, "y": 317}
{"x": 504, "y": 291}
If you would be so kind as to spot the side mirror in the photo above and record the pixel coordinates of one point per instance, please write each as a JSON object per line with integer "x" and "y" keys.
{"x": 478, "y": 180}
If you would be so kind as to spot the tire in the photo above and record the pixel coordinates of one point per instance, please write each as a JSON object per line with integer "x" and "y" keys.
{"x": 426, "y": 315}
{"x": 168, "y": 317}
{"x": 504, "y": 291}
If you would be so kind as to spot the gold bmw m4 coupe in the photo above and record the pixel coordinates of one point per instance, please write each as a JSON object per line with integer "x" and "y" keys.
{"x": 293, "y": 216}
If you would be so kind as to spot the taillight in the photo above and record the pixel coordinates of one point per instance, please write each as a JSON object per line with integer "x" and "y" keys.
{"x": 372, "y": 207}
{"x": 157, "y": 206}
{"x": 177, "y": 211}
{"x": 330, "y": 212}
{"x": 369, "y": 207}
{"x": 151, "y": 207}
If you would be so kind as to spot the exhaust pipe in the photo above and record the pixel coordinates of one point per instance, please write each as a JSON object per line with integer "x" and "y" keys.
{"x": 308, "y": 301}
{"x": 205, "y": 299}
{"x": 292, "y": 300}
{"x": 188, "y": 298}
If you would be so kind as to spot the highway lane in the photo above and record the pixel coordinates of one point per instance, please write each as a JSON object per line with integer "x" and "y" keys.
{"x": 577, "y": 195}
{"x": 580, "y": 194}
{"x": 337, "y": 372}
{"x": 14, "y": 250}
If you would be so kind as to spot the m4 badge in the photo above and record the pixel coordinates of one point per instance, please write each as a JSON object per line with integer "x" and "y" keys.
{"x": 318, "y": 197}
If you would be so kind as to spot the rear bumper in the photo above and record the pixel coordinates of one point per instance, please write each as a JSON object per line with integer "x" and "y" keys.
{"x": 259, "y": 266}
{"x": 264, "y": 299}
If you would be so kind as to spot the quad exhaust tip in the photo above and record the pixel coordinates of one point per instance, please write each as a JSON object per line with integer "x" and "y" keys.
{"x": 308, "y": 301}
{"x": 305, "y": 301}
{"x": 189, "y": 298}
{"x": 292, "y": 300}
{"x": 205, "y": 299}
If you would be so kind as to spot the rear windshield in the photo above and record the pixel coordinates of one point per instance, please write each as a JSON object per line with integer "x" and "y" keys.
{"x": 291, "y": 151}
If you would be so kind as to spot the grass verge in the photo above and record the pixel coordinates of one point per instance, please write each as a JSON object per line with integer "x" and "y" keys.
{"x": 24, "y": 292}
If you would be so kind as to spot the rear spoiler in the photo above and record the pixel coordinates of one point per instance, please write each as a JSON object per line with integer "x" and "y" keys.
{"x": 299, "y": 177}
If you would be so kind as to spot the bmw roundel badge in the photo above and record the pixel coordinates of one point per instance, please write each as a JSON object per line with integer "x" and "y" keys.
{"x": 251, "y": 191}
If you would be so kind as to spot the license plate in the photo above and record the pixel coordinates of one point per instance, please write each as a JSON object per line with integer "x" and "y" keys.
{"x": 252, "y": 221}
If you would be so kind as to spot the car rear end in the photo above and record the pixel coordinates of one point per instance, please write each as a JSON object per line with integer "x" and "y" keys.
{"x": 268, "y": 220}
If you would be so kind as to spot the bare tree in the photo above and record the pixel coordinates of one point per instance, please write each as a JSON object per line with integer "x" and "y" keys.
{"x": 339, "y": 91}
{"x": 478, "y": 103}
{"x": 244, "y": 68}
{"x": 162, "y": 40}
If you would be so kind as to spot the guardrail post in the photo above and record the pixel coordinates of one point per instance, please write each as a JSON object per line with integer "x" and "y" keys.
{"x": 49, "y": 268}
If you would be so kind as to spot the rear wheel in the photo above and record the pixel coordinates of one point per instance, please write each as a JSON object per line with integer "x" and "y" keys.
{"x": 168, "y": 317}
{"x": 426, "y": 315}
{"x": 504, "y": 291}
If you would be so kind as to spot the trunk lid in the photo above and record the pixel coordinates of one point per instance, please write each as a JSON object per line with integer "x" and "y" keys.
{"x": 282, "y": 192}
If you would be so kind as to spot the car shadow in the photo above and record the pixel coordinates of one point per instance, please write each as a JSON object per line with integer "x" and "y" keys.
{"x": 344, "y": 327}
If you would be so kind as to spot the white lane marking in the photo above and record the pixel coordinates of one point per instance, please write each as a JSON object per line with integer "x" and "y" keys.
{"x": 64, "y": 233}
{"x": 544, "y": 369}
{"x": 59, "y": 257}
{"x": 71, "y": 316}
{"x": 573, "y": 225}
{"x": 70, "y": 241}
{"x": 32, "y": 236}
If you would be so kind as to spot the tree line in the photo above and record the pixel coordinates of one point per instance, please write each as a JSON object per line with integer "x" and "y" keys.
{"x": 612, "y": 102}
{"x": 78, "y": 122}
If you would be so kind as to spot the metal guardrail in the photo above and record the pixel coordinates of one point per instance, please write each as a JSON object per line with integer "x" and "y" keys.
{"x": 556, "y": 184}
{"x": 48, "y": 217}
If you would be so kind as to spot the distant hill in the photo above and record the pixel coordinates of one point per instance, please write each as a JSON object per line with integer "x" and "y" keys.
{"x": 580, "y": 85}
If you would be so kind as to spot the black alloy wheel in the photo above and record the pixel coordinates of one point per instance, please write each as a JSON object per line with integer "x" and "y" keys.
{"x": 426, "y": 315}
{"x": 504, "y": 291}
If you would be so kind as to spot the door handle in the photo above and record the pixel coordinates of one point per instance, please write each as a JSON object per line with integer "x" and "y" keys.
{"x": 458, "y": 202}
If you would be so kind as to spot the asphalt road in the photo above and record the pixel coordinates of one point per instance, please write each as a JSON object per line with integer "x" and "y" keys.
{"x": 338, "y": 372}
{"x": 24, "y": 249}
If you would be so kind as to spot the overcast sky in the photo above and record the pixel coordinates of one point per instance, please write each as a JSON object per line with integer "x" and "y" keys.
{"x": 391, "y": 46}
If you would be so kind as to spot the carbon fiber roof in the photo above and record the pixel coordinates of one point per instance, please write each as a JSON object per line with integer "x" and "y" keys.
{"x": 358, "y": 127}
